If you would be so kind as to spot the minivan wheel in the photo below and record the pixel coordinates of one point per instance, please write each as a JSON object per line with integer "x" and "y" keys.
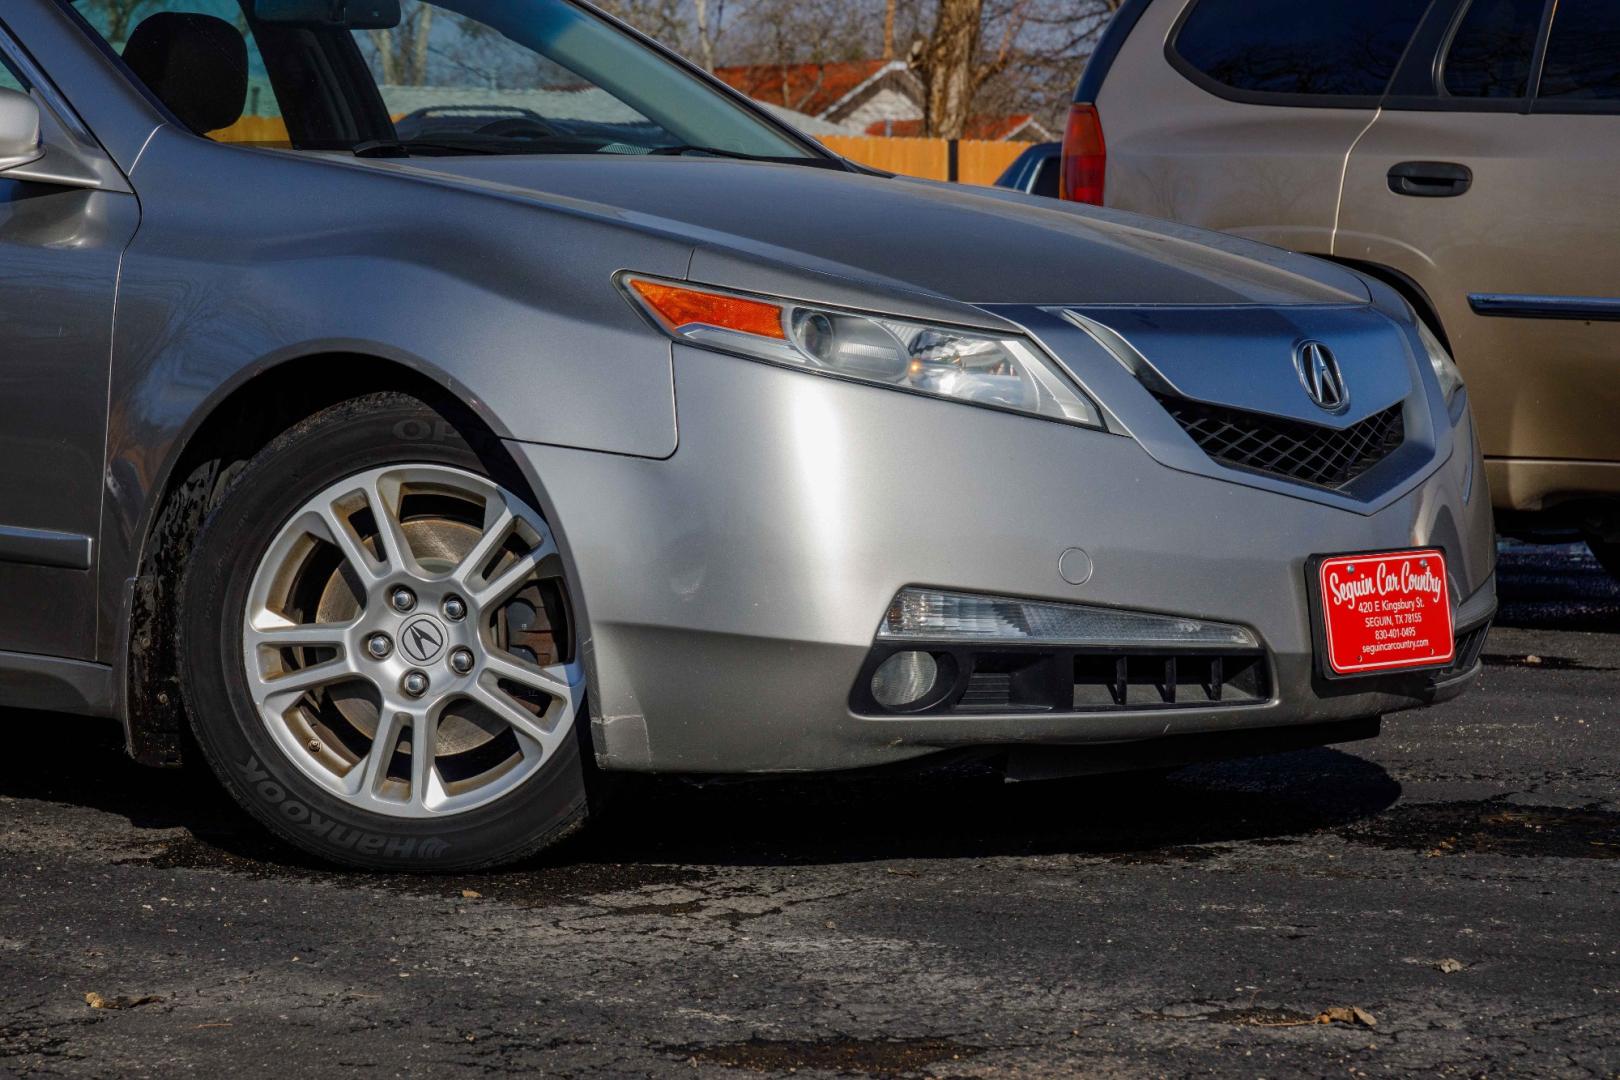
{"x": 378, "y": 650}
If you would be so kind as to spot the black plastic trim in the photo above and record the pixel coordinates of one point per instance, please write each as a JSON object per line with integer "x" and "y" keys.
{"x": 1046, "y": 678}
{"x": 1419, "y": 103}
{"x": 57, "y": 684}
{"x": 38, "y": 547}
{"x": 1430, "y": 179}
{"x": 1268, "y": 429}
{"x": 1575, "y": 107}
{"x": 1524, "y": 306}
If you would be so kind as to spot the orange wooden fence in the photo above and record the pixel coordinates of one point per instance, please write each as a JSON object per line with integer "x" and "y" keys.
{"x": 978, "y": 161}
{"x": 254, "y": 129}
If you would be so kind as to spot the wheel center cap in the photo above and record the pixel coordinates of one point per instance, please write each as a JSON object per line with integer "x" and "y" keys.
{"x": 422, "y": 639}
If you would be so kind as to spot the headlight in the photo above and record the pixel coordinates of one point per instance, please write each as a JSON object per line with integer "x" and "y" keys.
{"x": 1445, "y": 368}
{"x": 1002, "y": 372}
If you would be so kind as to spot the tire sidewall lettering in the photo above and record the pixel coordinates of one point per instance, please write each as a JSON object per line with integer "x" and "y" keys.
{"x": 329, "y": 830}
{"x": 362, "y": 433}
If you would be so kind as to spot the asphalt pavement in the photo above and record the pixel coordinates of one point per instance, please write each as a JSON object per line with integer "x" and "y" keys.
{"x": 1442, "y": 900}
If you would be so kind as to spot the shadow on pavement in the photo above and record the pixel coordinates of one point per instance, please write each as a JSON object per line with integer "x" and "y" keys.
{"x": 961, "y": 810}
{"x": 1555, "y": 587}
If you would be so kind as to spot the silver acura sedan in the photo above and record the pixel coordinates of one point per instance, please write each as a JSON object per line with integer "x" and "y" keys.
{"x": 420, "y": 411}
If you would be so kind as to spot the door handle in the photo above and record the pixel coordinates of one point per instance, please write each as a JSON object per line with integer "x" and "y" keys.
{"x": 1430, "y": 179}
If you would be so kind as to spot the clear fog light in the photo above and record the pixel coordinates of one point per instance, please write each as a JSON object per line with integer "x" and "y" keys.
{"x": 931, "y": 615}
{"x": 904, "y": 678}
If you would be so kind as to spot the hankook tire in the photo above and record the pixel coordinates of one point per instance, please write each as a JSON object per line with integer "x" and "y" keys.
{"x": 328, "y": 614}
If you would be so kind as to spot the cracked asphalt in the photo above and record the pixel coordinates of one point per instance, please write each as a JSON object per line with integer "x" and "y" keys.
{"x": 1443, "y": 900}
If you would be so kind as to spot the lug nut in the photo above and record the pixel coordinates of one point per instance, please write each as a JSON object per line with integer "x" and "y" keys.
{"x": 415, "y": 683}
{"x": 402, "y": 599}
{"x": 461, "y": 661}
{"x": 455, "y": 608}
{"x": 379, "y": 646}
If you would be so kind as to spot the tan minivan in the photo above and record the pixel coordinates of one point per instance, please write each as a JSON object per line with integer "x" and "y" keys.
{"x": 1465, "y": 151}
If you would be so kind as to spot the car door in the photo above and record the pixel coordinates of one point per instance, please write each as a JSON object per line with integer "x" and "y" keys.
{"x": 1502, "y": 202}
{"x": 64, "y": 223}
{"x": 1237, "y": 114}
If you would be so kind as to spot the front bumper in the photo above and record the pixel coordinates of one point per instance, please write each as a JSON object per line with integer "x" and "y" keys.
{"x": 729, "y": 595}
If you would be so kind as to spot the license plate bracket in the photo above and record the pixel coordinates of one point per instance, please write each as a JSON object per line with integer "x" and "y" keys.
{"x": 1378, "y": 612}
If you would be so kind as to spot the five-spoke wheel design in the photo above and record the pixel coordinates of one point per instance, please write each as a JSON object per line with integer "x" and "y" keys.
{"x": 408, "y": 641}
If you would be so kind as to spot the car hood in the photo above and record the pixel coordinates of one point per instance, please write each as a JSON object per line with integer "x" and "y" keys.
{"x": 967, "y": 244}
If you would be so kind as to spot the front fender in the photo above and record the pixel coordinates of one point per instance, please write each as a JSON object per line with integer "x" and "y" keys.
{"x": 247, "y": 259}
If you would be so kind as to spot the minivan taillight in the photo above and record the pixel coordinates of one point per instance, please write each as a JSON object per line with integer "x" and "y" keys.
{"x": 1085, "y": 157}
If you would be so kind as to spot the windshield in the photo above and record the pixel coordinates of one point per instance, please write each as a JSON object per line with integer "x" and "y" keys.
{"x": 443, "y": 78}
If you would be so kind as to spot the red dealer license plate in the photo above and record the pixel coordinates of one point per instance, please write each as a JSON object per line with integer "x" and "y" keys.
{"x": 1385, "y": 612}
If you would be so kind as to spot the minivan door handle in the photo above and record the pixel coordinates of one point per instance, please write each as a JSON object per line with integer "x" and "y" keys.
{"x": 1430, "y": 179}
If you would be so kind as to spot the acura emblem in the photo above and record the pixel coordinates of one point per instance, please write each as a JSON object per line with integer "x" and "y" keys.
{"x": 1319, "y": 374}
{"x": 422, "y": 639}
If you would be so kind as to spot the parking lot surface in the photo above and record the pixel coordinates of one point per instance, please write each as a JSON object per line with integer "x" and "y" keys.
{"x": 1445, "y": 899}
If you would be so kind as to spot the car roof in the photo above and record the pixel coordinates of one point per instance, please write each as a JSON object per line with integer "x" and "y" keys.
{"x": 1107, "y": 50}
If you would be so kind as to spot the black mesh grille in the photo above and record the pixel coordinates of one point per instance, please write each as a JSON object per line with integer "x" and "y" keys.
{"x": 1308, "y": 453}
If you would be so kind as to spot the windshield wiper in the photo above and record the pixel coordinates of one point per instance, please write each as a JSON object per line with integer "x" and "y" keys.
{"x": 716, "y": 151}
{"x": 713, "y": 151}
{"x": 396, "y": 148}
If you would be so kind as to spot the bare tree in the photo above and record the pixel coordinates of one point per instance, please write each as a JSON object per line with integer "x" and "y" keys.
{"x": 403, "y": 51}
{"x": 949, "y": 65}
{"x": 975, "y": 57}
{"x": 710, "y": 23}
{"x": 666, "y": 20}
{"x": 1001, "y": 57}
{"x": 784, "y": 33}
{"x": 117, "y": 19}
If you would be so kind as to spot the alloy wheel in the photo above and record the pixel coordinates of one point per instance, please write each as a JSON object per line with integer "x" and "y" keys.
{"x": 408, "y": 641}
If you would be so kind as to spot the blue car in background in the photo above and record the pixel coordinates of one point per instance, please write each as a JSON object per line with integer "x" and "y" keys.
{"x": 1035, "y": 171}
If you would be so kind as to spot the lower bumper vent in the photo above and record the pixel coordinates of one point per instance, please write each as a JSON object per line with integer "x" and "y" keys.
{"x": 1470, "y": 643}
{"x": 970, "y": 680}
{"x": 1134, "y": 681}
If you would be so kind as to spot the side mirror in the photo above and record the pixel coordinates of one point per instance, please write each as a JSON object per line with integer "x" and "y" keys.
{"x": 19, "y": 130}
{"x": 329, "y": 14}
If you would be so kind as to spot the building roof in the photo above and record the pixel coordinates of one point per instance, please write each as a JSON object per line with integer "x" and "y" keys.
{"x": 809, "y": 125}
{"x": 850, "y": 91}
{"x": 815, "y": 89}
{"x": 993, "y": 128}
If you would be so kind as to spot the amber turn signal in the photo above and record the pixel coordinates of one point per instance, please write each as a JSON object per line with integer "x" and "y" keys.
{"x": 679, "y": 307}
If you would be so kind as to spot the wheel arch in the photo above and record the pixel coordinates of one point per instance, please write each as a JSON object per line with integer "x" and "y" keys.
{"x": 236, "y": 422}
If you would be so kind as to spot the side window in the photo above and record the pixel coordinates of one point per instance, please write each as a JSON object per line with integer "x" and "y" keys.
{"x": 199, "y": 58}
{"x": 9, "y": 79}
{"x": 443, "y": 74}
{"x": 1046, "y": 176}
{"x": 1583, "y": 52}
{"x": 1338, "y": 48}
{"x": 1491, "y": 52}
